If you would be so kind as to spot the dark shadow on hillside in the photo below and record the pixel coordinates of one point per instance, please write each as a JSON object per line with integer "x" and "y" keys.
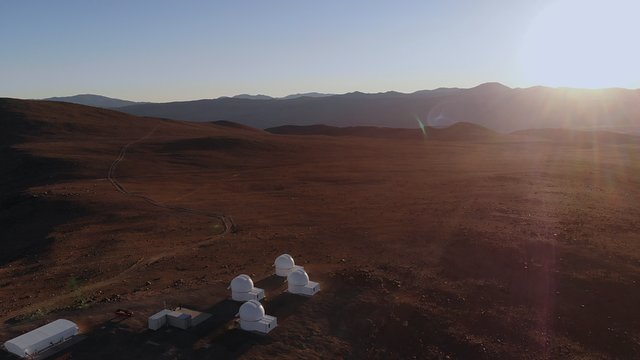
{"x": 27, "y": 220}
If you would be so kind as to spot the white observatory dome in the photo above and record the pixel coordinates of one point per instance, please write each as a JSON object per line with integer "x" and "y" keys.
{"x": 242, "y": 283}
{"x": 284, "y": 261}
{"x": 298, "y": 277}
{"x": 252, "y": 310}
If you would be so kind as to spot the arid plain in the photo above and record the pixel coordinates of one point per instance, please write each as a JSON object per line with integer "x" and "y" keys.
{"x": 465, "y": 245}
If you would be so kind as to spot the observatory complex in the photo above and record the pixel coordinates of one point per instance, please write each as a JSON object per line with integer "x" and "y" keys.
{"x": 252, "y": 317}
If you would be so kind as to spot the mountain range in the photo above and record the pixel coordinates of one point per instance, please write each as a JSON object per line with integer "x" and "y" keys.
{"x": 288, "y": 97}
{"x": 113, "y": 103}
{"x": 94, "y": 100}
{"x": 491, "y": 105}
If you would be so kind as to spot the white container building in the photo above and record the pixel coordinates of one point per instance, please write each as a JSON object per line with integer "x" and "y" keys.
{"x": 42, "y": 338}
{"x": 242, "y": 289}
{"x": 253, "y": 318}
{"x": 179, "y": 320}
{"x": 158, "y": 320}
{"x": 299, "y": 284}
{"x": 284, "y": 264}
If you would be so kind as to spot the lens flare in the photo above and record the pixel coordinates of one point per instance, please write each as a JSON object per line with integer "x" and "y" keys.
{"x": 436, "y": 117}
{"x": 421, "y": 125}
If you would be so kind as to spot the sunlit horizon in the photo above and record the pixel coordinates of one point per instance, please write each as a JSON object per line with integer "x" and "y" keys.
{"x": 583, "y": 44}
{"x": 282, "y": 95}
{"x": 163, "y": 51}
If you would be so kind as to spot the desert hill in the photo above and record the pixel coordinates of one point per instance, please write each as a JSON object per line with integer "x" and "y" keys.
{"x": 491, "y": 105}
{"x": 518, "y": 246}
{"x": 49, "y": 142}
{"x": 359, "y": 131}
{"x": 457, "y": 132}
{"x": 234, "y": 125}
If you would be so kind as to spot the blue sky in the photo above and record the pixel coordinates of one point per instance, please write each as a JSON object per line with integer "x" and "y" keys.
{"x": 177, "y": 50}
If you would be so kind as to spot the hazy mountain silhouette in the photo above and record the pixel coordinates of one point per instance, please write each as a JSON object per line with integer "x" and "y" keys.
{"x": 309, "y": 94}
{"x": 288, "y": 97}
{"x": 491, "y": 105}
{"x": 94, "y": 100}
{"x": 253, "y": 97}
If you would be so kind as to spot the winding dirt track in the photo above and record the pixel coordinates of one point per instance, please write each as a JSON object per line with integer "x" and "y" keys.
{"x": 227, "y": 221}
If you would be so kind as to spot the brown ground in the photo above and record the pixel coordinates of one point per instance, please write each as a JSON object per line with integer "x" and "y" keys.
{"x": 515, "y": 247}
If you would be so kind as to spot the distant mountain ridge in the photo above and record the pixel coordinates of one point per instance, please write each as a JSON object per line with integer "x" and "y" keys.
{"x": 253, "y": 97}
{"x": 491, "y": 105}
{"x": 113, "y": 103}
{"x": 288, "y": 97}
{"x": 309, "y": 94}
{"x": 94, "y": 100}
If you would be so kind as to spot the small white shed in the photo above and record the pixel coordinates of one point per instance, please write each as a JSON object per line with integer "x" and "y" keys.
{"x": 242, "y": 289}
{"x": 299, "y": 283}
{"x": 253, "y": 318}
{"x": 42, "y": 338}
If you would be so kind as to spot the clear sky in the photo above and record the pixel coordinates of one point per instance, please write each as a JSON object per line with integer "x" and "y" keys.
{"x": 158, "y": 50}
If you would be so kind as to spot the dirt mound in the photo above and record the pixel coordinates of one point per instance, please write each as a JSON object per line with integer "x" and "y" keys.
{"x": 580, "y": 136}
{"x": 462, "y": 131}
{"x": 359, "y": 131}
{"x": 234, "y": 125}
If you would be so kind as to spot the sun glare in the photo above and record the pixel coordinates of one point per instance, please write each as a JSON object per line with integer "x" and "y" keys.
{"x": 584, "y": 44}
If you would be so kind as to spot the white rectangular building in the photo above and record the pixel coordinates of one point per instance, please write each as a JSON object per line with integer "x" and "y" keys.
{"x": 179, "y": 319}
{"x": 42, "y": 338}
{"x": 158, "y": 320}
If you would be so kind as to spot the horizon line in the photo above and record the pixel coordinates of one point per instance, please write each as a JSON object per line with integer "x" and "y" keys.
{"x": 327, "y": 94}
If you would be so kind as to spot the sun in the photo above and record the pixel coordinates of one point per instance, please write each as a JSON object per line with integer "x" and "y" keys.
{"x": 584, "y": 44}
